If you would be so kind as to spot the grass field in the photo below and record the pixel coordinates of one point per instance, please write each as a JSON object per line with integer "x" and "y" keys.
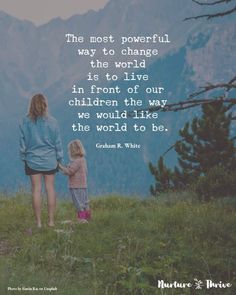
{"x": 128, "y": 247}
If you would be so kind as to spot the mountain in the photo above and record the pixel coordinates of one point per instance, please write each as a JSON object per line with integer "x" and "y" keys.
{"x": 37, "y": 59}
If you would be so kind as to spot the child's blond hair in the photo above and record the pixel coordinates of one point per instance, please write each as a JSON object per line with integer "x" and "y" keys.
{"x": 76, "y": 149}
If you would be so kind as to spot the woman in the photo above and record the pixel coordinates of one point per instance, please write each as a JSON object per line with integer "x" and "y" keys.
{"x": 41, "y": 150}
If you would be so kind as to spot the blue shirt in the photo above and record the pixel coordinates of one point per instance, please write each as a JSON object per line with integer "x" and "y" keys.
{"x": 40, "y": 143}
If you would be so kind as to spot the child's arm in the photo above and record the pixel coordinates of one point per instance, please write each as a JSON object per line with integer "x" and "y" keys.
{"x": 61, "y": 167}
{"x": 71, "y": 169}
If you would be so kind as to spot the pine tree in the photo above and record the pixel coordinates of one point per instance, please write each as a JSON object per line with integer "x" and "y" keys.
{"x": 205, "y": 143}
{"x": 162, "y": 176}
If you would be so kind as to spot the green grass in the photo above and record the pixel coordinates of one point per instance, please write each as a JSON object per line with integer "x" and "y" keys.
{"x": 128, "y": 246}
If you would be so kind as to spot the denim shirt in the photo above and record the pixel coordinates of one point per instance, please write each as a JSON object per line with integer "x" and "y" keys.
{"x": 40, "y": 143}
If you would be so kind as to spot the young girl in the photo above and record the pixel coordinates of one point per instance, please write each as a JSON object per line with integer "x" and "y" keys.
{"x": 77, "y": 172}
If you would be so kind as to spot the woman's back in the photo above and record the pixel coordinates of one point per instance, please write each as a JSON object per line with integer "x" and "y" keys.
{"x": 41, "y": 143}
{"x": 41, "y": 151}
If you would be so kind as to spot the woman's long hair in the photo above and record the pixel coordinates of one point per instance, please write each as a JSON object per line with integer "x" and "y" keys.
{"x": 38, "y": 107}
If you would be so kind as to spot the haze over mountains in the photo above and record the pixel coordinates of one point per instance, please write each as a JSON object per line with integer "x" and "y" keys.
{"x": 37, "y": 59}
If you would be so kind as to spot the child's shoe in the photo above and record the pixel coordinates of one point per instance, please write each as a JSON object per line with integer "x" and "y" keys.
{"x": 82, "y": 217}
{"x": 88, "y": 214}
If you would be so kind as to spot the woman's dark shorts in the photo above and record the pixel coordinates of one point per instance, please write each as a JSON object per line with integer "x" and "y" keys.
{"x": 30, "y": 171}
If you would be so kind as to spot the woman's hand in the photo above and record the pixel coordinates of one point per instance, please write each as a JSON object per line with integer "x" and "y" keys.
{"x": 61, "y": 167}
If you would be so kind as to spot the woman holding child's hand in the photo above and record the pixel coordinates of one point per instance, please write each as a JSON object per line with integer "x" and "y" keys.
{"x": 41, "y": 150}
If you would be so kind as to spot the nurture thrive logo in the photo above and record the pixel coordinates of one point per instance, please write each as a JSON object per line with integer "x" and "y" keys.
{"x": 196, "y": 284}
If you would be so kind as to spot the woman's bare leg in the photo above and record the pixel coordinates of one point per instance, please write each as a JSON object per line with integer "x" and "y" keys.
{"x": 49, "y": 185}
{"x": 36, "y": 184}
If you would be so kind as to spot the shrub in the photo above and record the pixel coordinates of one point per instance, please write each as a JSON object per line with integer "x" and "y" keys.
{"x": 217, "y": 183}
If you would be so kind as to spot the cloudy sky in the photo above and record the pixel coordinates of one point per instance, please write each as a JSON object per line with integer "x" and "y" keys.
{"x": 41, "y": 11}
